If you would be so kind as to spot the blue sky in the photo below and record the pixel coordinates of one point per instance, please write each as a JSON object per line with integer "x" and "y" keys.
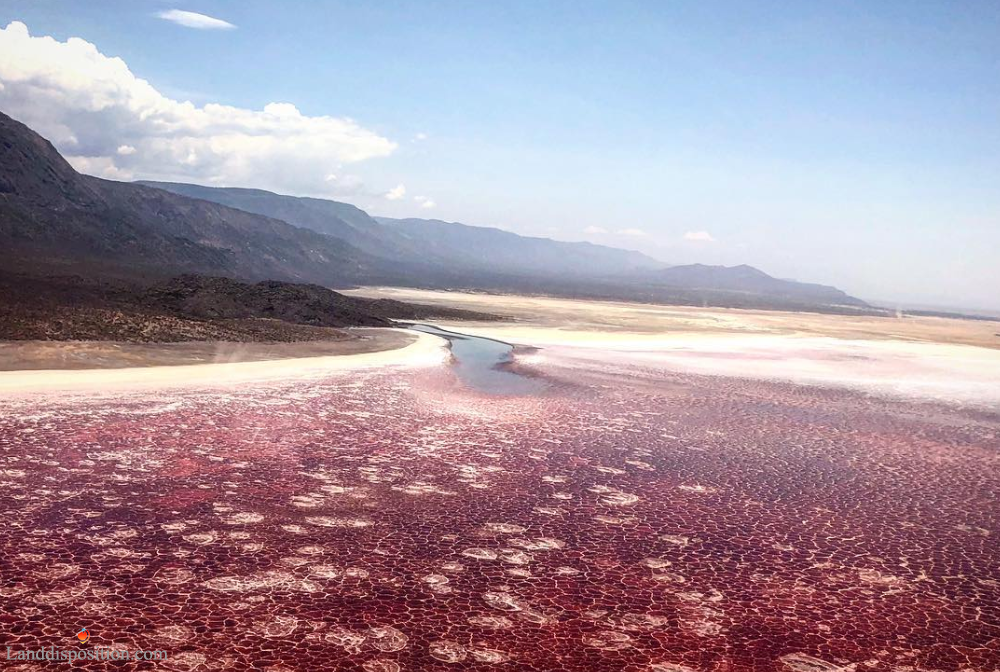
{"x": 855, "y": 144}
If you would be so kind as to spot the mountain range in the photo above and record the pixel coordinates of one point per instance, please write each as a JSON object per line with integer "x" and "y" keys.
{"x": 443, "y": 245}
{"x": 56, "y": 220}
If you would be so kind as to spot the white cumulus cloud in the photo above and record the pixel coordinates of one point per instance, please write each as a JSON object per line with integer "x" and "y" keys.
{"x": 424, "y": 201}
{"x": 396, "y": 193}
{"x": 91, "y": 106}
{"x": 195, "y": 20}
{"x": 699, "y": 236}
{"x": 595, "y": 229}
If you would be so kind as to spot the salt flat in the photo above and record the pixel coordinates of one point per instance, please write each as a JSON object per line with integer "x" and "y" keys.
{"x": 937, "y": 359}
{"x": 636, "y": 319}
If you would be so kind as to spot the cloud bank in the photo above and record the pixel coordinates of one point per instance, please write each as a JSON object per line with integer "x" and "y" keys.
{"x": 396, "y": 193}
{"x": 699, "y": 236}
{"x": 195, "y": 20}
{"x": 110, "y": 123}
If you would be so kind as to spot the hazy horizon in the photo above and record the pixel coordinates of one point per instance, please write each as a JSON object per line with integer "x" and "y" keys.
{"x": 835, "y": 144}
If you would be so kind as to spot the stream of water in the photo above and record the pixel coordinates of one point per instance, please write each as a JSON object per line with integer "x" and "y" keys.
{"x": 481, "y": 363}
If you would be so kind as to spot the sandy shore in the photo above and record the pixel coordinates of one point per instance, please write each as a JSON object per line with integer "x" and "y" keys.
{"x": 50, "y": 355}
{"x": 395, "y": 347}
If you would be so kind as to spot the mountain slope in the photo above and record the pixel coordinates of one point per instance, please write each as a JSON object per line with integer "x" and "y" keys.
{"x": 501, "y": 251}
{"x": 434, "y": 246}
{"x": 341, "y": 220}
{"x": 52, "y": 217}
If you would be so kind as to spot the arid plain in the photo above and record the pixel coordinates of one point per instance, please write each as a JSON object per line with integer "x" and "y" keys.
{"x": 692, "y": 491}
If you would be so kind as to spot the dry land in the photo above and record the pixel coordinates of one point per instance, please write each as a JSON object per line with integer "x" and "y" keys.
{"x": 578, "y": 317}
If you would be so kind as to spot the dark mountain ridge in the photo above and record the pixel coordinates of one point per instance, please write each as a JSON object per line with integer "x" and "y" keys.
{"x": 53, "y": 218}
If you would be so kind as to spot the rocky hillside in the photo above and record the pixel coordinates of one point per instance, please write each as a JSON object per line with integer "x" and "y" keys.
{"x": 53, "y": 218}
{"x": 191, "y": 308}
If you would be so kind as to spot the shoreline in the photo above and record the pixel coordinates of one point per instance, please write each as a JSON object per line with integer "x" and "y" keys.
{"x": 33, "y": 355}
{"x": 422, "y": 350}
{"x": 649, "y": 320}
{"x": 918, "y": 362}
{"x": 903, "y": 370}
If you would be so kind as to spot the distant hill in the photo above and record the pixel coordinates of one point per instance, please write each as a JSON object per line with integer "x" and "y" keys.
{"x": 217, "y": 298}
{"x": 745, "y": 279}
